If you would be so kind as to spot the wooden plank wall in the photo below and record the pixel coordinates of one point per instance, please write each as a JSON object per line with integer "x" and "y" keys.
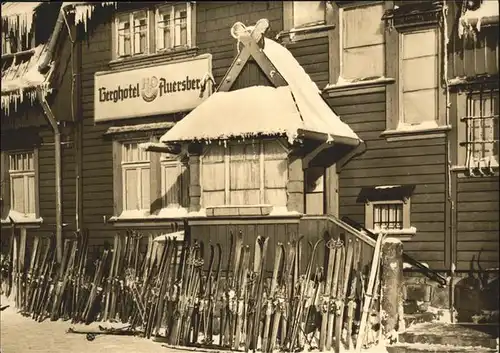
{"x": 312, "y": 55}
{"x": 214, "y": 21}
{"x": 477, "y": 222}
{"x": 315, "y": 228}
{"x": 420, "y": 162}
{"x": 477, "y": 200}
{"x": 277, "y": 232}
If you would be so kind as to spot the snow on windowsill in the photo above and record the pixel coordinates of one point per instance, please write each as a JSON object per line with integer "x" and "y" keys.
{"x": 368, "y": 81}
{"x": 15, "y": 217}
{"x": 283, "y": 211}
{"x": 164, "y": 213}
{"x": 425, "y": 127}
{"x": 314, "y": 29}
{"x": 276, "y": 211}
{"x": 396, "y": 232}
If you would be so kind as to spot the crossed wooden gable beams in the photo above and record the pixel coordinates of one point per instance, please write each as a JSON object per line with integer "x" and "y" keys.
{"x": 252, "y": 40}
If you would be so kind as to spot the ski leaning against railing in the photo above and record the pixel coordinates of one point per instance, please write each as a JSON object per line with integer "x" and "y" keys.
{"x": 258, "y": 301}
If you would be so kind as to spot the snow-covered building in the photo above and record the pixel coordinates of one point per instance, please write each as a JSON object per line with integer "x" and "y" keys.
{"x": 258, "y": 153}
{"x": 36, "y": 113}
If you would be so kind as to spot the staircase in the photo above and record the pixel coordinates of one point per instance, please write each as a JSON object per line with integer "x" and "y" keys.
{"x": 450, "y": 338}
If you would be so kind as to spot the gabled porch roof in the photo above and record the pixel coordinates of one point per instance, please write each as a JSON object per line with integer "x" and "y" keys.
{"x": 296, "y": 109}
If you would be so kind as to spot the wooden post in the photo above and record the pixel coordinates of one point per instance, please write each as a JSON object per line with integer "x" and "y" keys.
{"x": 391, "y": 285}
{"x": 194, "y": 183}
{"x": 295, "y": 184}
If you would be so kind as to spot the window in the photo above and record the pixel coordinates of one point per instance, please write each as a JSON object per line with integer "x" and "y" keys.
{"x": 362, "y": 42}
{"x": 387, "y": 215}
{"x": 157, "y": 29}
{"x": 305, "y": 20}
{"x": 22, "y": 183}
{"x": 387, "y": 209}
{"x": 416, "y": 104}
{"x": 132, "y": 33}
{"x": 479, "y": 130}
{"x": 419, "y": 78}
{"x": 136, "y": 177}
{"x": 314, "y": 178}
{"x": 174, "y": 182}
{"x": 172, "y": 28}
{"x": 147, "y": 184}
{"x": 308, "y": 13}
{"x": 245, "y": 173}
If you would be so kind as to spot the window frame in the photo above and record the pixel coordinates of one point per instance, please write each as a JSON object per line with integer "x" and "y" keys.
{"x": 341, "y": 9}
{"x": 189, "y": 27}
{"x": 226, "y": 163}
{"x": 304, "y": 32}
{"x": 156, "y": 208}
{"x": 394, "y": 104}
{"x": 152, "y": 13}
{"x": 182, "y": 167}
{"x": 460, "y": 159}
{"x": 139, "y": 166}
{"x": 401, "y": 109}
{"x": 405, "y": 233}
{"x": 8, "y": 190}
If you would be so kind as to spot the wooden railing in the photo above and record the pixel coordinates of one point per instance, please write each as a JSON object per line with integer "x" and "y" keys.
{"x": 356, "y": 230}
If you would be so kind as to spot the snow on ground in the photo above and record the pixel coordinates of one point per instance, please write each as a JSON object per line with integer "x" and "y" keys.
{"x": 19, "y": 334}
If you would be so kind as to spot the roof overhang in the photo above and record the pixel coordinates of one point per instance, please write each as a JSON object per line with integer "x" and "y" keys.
{"x": 19, "y": 15}
{"x": 293, "y": 106}
{"x": 486, "y": 15}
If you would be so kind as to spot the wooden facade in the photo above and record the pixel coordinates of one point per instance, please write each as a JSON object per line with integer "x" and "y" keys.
{"x": 455, "y": 215}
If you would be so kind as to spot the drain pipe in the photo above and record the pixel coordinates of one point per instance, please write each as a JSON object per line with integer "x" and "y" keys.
{"x": 57, "y": 151}
{"x": 449, "y": 185}
{"x": 44, "y": 66}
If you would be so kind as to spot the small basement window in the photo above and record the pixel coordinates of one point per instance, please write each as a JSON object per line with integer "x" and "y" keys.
{"x": 388, "y": 209}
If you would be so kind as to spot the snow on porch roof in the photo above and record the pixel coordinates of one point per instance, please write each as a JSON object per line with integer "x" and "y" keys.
{"x": 247, "y": 112}
{"x": 21, "y": 78}
{"x": 261, "y": 110}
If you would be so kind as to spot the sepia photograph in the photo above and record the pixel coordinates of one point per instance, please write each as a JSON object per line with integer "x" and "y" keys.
{"x": 250, "y": 176}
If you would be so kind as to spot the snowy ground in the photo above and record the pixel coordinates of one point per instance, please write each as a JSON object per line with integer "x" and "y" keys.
{"x": 19, "y": 334}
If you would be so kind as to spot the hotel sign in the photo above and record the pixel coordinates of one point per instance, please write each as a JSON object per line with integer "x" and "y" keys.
{"x": 153, "y": 90}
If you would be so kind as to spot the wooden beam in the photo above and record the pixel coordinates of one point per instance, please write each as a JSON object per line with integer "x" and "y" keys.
{"x": 234, "y": 71}
{"x": 311, "y": 155}
{"x": 250, "y": 40}
{"x": 263, "y": 61}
